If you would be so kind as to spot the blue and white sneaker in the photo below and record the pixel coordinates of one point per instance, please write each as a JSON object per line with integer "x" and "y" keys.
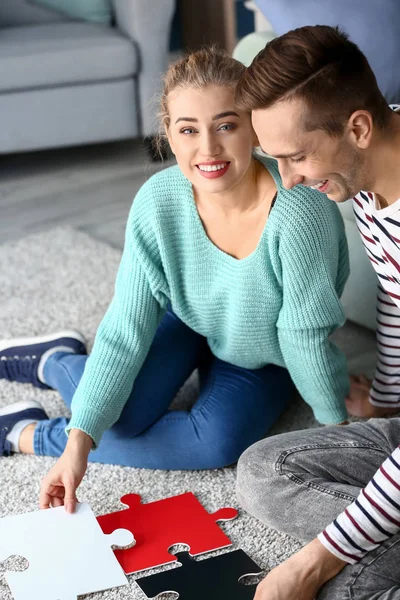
{"x": 23, "y": 359}
{"x": 26, "y": 410}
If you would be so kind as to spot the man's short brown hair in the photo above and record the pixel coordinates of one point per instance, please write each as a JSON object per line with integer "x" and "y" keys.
{"x": 320, "y": 65}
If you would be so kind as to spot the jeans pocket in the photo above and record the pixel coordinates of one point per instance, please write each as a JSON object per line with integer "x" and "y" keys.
{"x": 339, "y": 469}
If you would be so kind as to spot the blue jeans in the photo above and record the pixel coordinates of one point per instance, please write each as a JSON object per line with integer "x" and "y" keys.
{"x": 235, "y": 407}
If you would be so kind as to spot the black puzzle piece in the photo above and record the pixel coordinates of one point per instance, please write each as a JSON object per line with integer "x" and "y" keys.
{"x": 214, "y": 578}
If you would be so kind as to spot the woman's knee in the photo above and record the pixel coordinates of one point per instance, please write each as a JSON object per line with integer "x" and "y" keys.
{"x": 220, "y": 451}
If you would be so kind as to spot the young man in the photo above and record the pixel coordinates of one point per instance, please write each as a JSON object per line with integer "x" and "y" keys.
{"x": 318, "y": 110}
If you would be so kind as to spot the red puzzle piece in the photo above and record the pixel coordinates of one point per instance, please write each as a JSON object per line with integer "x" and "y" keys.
{"x": 159, "y": 525}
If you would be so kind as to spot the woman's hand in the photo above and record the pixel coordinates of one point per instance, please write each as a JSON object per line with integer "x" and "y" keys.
{"x": 301, "y": 576}
{"x": 358, "y": 404}
{"x": 60, "y": 484}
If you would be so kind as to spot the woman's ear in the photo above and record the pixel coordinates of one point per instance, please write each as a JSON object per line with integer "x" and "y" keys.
{"x": 169, "y": 138}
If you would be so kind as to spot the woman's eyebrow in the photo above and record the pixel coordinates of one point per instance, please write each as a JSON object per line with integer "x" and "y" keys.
{"x": 191, "y": 119}
{"x": 228, "y": 113}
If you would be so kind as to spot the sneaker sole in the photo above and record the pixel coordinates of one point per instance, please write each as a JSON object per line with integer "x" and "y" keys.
{"x": 41, "y": 339}
{"x": 19, "y": 406}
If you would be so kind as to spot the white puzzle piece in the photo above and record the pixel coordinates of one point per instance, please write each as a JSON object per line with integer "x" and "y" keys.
{"x": 68, "y": 555}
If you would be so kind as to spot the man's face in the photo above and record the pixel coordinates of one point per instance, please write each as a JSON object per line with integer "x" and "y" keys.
{"x": 332, "y": 165}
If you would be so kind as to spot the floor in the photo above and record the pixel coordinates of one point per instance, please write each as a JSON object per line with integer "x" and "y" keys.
{"x": 91, "y": 188}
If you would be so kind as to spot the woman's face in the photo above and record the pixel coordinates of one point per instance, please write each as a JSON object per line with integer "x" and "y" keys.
{"x": 212, "y": 140}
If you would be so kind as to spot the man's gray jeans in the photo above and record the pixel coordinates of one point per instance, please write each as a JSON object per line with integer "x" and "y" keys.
{"x": 298, "y": 482}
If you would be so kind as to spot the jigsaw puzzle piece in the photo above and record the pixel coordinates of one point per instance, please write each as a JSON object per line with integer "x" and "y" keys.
{"x": 214, "y": 578}
{"x": 68, "y": 555}
{"x": 159, "y": 525}
{"x": 14, "y": 564}
{"x": 120, "y": 538}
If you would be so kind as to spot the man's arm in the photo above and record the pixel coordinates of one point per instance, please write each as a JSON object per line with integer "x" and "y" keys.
{"x": 301, "y": 576}
{"x": 381, "y": 397}
{"x": 385, "y": 390}
{"x": 371, "y": 519}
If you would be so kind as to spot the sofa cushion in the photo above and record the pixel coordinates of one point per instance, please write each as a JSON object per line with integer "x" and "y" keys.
{"x": 14, "y": 13}
{"x": 97, "y": 11}
{"x": 62, "y": 54}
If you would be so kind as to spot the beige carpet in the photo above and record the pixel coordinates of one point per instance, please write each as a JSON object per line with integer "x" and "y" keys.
{"x": 64, "y": 279}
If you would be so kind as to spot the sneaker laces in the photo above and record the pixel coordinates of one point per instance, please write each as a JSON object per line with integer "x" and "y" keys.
{"x": 19, "y": 368}
{"x": 5, "y": 445}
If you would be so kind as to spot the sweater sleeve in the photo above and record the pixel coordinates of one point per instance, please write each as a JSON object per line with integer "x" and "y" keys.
{"x": 385, "y": 389}
{"x": 371, "y": 519}
{"x": 126, "y": 332}
{"x": 314, "y": 263}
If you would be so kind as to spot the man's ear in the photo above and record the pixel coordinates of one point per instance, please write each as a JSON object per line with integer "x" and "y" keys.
{"x": 360, "y": 127}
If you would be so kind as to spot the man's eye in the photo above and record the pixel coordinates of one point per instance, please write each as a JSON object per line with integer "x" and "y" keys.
{"x": 296, "y": 160}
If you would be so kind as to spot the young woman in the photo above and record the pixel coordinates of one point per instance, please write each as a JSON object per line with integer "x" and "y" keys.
{"x": 223, "y": 270}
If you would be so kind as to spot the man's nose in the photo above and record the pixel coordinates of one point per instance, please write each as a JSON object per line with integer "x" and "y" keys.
{"x": 290, "y": 179}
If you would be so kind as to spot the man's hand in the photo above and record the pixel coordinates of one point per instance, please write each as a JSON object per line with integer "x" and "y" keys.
{"x": 358, "y": 404}
{"x": 301, "y": 576}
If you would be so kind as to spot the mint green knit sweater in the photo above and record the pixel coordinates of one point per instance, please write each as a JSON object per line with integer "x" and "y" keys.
{"x": 279, "y": 305}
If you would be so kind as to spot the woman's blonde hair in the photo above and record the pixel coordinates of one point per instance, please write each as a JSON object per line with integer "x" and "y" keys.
{"x": 208, "y": 66}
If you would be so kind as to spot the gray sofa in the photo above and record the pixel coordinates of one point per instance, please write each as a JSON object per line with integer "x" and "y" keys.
{"x": 66, "y": 82}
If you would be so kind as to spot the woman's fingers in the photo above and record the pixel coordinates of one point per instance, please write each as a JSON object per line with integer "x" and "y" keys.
{"x": 60, "y": 484}
{"x": 45, "y": 496}
{"x": 70, "y": 497}
{"x": 56, "y": 502}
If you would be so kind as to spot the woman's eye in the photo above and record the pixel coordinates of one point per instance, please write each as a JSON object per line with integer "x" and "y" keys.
{"x": 227, "y": 127}
{"x": 188, "y": 130}
{"x": 296, "y": 160}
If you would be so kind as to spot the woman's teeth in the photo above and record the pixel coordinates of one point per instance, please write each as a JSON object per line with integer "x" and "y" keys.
{"x": 212, "y": 167}
{"x": 319, "y": 185}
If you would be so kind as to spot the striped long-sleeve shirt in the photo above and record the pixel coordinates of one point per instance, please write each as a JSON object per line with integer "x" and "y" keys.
{"x": 369, "y": 520}
{"x": 380, "y": 233}
{"x": 375, "y": 515}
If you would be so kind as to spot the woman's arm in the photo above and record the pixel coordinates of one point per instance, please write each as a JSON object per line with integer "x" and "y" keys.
{"x": 125, "y": 334}
{"x": 314, "y": 265}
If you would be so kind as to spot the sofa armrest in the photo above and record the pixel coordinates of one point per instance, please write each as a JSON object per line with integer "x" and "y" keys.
{"x": 148, "y": 24}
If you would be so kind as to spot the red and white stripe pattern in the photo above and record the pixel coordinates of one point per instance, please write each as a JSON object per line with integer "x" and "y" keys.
{"x": 369, "y": 520}
{"x": 375, "y": 515}
{"x": 380, "y": 233}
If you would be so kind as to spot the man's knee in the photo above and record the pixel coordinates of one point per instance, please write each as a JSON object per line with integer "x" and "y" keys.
{"x": 258, "y": 484}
